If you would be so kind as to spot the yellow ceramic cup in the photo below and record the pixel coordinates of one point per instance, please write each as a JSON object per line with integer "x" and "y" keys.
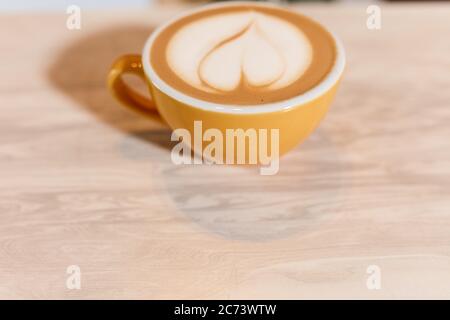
{"x": 295, "y": 118}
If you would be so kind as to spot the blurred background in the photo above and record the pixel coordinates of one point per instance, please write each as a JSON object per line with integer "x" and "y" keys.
{"x": 20, "y": 5}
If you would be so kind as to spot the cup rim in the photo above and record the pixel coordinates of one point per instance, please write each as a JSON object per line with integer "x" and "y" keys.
{"x": 317, "y": 91}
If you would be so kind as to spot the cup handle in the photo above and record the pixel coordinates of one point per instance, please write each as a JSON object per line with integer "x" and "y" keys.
{"x": 131, "y": 64}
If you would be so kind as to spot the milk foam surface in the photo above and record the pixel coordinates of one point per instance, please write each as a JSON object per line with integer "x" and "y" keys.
{"x": 242, "y": 54}
{"x": 220, "y": 53}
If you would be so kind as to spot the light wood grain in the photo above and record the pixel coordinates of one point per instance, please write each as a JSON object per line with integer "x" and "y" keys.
{"x": 86, "y": 182}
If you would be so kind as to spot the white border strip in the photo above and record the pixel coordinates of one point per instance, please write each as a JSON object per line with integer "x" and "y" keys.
{"x": 332, "y": 77}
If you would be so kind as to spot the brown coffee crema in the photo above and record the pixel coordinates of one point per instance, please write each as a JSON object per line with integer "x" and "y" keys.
{"x": 249, "y": 90}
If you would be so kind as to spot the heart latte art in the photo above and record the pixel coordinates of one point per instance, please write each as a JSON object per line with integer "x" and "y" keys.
{"x": 244, "y": 48}
{"x": 243, "y": 55}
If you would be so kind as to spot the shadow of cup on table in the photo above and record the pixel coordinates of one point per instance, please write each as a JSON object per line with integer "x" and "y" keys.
{"x": 238, "y": 203}
{"x": 80, "y": 71}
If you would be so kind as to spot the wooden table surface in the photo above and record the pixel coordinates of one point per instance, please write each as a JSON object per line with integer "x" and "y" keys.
{"x": 85, "y": 182}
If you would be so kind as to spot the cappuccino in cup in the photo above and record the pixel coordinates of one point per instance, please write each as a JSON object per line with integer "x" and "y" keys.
{"x": 237, "y": 69}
